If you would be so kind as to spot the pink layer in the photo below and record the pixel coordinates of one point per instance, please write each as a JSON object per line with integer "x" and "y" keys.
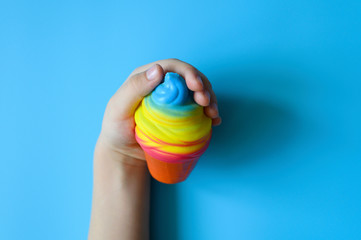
{"x": 174, "y": 157}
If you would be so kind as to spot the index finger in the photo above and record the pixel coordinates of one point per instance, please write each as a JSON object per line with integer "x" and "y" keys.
{"x": 188, "y": 72}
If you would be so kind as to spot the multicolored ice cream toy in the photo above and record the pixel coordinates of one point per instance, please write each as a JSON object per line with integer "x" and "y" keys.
{"x": 172, "y": 130}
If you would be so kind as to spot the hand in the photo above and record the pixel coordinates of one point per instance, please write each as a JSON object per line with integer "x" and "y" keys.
{"x": 121, "y": 192}
{"x": 118, "y": 123}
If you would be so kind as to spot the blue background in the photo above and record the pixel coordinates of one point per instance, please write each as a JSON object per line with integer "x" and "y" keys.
{"x": 285, "y": 164}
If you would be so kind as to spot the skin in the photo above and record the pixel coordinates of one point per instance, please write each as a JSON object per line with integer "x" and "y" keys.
{"x": 121, "y": 188}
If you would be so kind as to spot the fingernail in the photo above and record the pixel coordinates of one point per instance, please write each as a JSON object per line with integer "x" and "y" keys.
{"x": 152, "y": 73}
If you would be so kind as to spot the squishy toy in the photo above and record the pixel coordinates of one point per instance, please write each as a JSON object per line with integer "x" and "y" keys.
{"x": 172, "y": 130}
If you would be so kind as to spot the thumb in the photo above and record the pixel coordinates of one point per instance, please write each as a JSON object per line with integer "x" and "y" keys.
{"x": 134, "y": 89}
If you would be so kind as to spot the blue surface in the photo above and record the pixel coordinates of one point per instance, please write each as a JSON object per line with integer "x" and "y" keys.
{"x": 284, "y": 165}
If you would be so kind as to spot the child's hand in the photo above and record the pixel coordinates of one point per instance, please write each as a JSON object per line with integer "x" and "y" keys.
{"x": 118, "y": 124}
{"x": 121, "y": 192}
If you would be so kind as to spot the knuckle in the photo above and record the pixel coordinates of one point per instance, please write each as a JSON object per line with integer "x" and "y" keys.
{"x": 174, "y": 59}
{"x": 192, "y": 69}
{"x": 134, "y": 82}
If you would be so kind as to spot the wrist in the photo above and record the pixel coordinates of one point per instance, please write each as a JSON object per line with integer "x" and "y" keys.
{"x": 114, "y": 170}
{"x": 121, "y": 191}
{"x": 104, "y": 152}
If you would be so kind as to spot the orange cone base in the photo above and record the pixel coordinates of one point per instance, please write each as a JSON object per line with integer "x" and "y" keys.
{"x": 169, "y": 173}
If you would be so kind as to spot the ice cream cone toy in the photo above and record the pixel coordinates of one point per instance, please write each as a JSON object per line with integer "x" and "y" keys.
{"x": 172, "y": 130}
{"x": 169, "y": 172}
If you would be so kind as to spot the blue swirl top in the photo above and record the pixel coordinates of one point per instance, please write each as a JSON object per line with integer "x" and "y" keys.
{"x": 173, "y": 91}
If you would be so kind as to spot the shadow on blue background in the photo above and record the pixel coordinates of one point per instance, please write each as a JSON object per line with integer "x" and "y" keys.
{"x": 164, "y": 206}
{"x": 252, "y": 128}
